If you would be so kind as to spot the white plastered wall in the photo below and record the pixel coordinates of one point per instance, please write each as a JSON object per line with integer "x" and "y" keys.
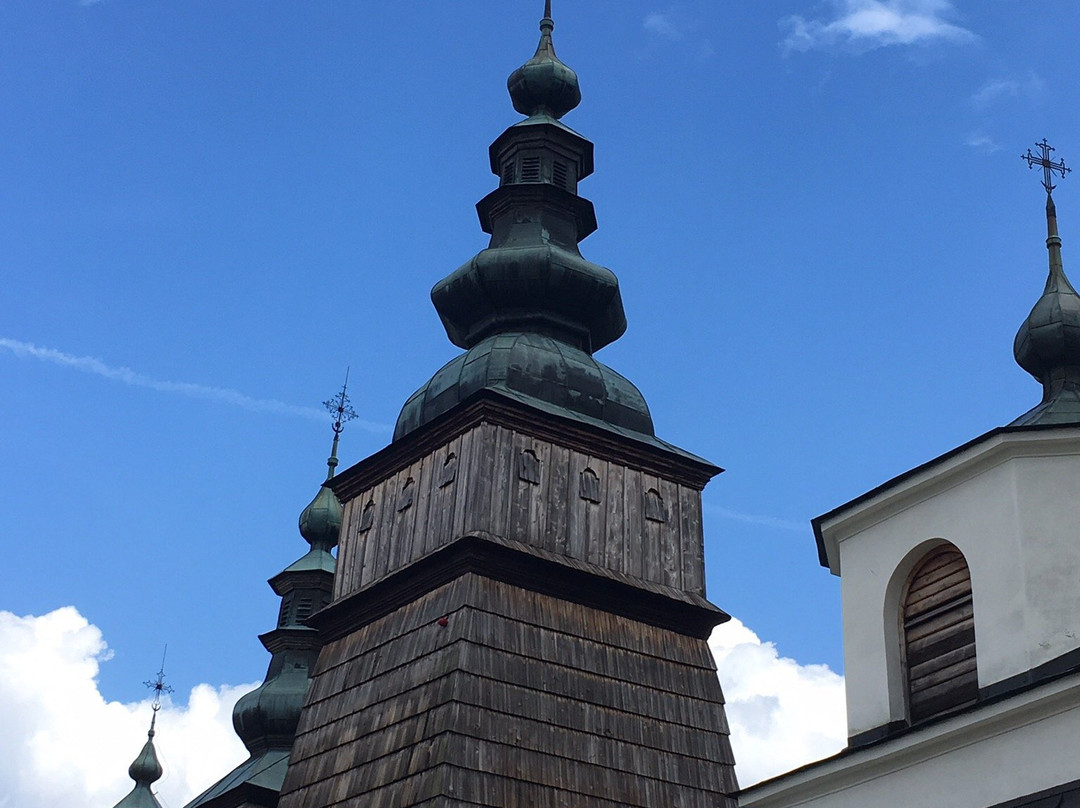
{"x": 1011, "y": 504}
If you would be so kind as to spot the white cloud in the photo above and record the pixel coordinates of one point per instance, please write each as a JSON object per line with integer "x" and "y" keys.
{"x": 1031, "y": 87}
{"x": 867, "y": 24}
{"x": 782, "y": 714}
{"x": 223, "y": 395}
{"x": 64, "y": 744}
{"x": 983, "y": 143}
{"x": 662, "y": 26}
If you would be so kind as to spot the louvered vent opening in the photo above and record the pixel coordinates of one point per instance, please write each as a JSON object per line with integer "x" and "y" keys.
{"x": 560, "y": 174}
{"x": 530, "y": 169}
{"x": 508, "y": 172}
{"x": 283, "y": 613}
{"x": 304, "y": 608}
{"x": 939, "y": 636}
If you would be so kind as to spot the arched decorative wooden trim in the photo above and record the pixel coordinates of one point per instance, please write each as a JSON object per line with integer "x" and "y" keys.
{"x": 655, "y": 511}
{"x": 405, "y": 498}
{"x": 529, "y": 467}
{"x": 448, "y": 471}
{"x": 367, "y": 517}
{"x": 589, "y": 486}
{"x": 939, "y": 635}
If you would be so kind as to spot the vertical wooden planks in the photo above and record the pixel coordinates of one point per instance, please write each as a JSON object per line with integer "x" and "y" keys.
{"x": 503, "y": 482}
{"x": 669, "y": 572}
{"x": 693, "y": 555}
{"x": 560, "y": 497}
{"x": 468, "y": 470}
{"x": 619, "y": 521}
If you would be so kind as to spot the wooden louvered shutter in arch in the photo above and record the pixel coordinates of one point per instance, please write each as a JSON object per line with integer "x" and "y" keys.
{"x": 939, "y": 635}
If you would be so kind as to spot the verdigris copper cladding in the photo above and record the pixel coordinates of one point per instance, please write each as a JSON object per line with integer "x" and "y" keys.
{"x": 529, "y": 309}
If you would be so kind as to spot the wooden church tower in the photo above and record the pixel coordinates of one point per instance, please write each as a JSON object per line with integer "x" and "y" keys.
{"x": 519, "y": 613}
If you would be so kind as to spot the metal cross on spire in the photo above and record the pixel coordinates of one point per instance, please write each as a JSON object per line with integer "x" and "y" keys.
{"x": 159, "y": 687}
{"x": 1049, "y": 167}
{"x": 341, "y": 409}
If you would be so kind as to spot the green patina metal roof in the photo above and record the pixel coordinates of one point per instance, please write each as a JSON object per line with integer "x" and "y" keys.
{"x": 536, "y": 369}
{"x": 529, "y": 309}
{"x": 145, "y": 771}
{"x": 1048, "y": 343}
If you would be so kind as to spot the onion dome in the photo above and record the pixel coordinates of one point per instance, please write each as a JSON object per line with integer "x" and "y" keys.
{"x": 320, "y": 521}
{"x": 266, "y": 718}
{"x": 538, "y": 370}
{"x": 145, "y": 771}
{"x": 529, "y": 309}
{"x": 1048, "y": 343}
{"x": 544, "y": 85}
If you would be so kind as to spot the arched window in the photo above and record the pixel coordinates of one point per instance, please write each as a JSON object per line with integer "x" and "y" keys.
{"x": 939, "y": 635}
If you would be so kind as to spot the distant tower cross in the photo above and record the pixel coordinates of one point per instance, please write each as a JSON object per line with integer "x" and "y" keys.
{"x": 341, "y": 409}
{"x": 158, "y": 685}
{"x": 1049, "y": 167}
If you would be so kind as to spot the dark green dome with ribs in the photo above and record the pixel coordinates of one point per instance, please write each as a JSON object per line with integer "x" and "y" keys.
{"x": 529, "y": 309}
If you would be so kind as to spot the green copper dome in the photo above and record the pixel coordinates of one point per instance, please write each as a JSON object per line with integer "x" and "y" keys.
{"x": 544, "y": 85}
{"x": 266, "y": 717}
{"x": 529, "y": 309}
{"x": 320, "y": 521}
{"x": 145, "y": 770}
{"x": 537, "y": 369}
{"x": 1048, "y": 343}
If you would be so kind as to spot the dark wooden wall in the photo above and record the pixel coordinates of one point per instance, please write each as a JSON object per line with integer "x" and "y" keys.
{"x": 481, "y": 693}
{"x": 642, "y": 524}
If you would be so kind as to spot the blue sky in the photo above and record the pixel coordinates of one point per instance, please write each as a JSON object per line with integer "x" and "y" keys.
{"x": 209, "y": 209}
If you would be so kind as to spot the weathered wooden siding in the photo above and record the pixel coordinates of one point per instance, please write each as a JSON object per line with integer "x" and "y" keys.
{"x": 490, "y": 493}
{"x": 939, "y": 635}
{"x": 481, "y": 693}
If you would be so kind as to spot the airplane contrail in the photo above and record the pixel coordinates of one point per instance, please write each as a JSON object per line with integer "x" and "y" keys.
{"x": 224, "y": 395}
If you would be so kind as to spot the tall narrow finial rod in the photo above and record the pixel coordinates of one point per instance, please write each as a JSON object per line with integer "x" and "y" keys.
{"x": 1049, "y": 167}
{"x": 157, "y": 684}
{"x": 547, "y": 9}
{"x": 340, "y": 407}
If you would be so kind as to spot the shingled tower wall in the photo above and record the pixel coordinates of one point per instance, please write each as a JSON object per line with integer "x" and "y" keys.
{"x": 519, "y": 615}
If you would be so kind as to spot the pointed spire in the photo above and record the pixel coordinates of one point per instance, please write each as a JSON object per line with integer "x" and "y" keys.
{"x": 544, "y": 85}
{"x": 320, "y": 521}
{"x": 1048, "y": 343}
{"x": 530, "y": 310}
{"x": 146, "y": 770}
{"x": 341, "y": 409}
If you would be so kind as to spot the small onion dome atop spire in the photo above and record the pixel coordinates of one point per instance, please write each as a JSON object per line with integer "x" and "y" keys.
{"x": 145, "y": 770}
{"x": 320, "y": 521}
{"x": 1048, "y": 343}
{"x": 544, "y": 85}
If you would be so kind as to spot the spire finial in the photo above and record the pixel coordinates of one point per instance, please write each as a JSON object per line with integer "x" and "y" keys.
{"x": 544, "y": 85}
{"x": 1048, "y": 343}
{"x": 1049, "y": 167}
{"x": 157, "y": 684}
{"x": 341, "y": 409}
{"x": 146, "y": 770}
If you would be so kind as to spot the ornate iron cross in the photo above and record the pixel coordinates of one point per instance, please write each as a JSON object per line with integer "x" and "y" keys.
{"x": 1049, "y": 167}
{"x": 340, "y": 407}
{"x": 158, "y": 685}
